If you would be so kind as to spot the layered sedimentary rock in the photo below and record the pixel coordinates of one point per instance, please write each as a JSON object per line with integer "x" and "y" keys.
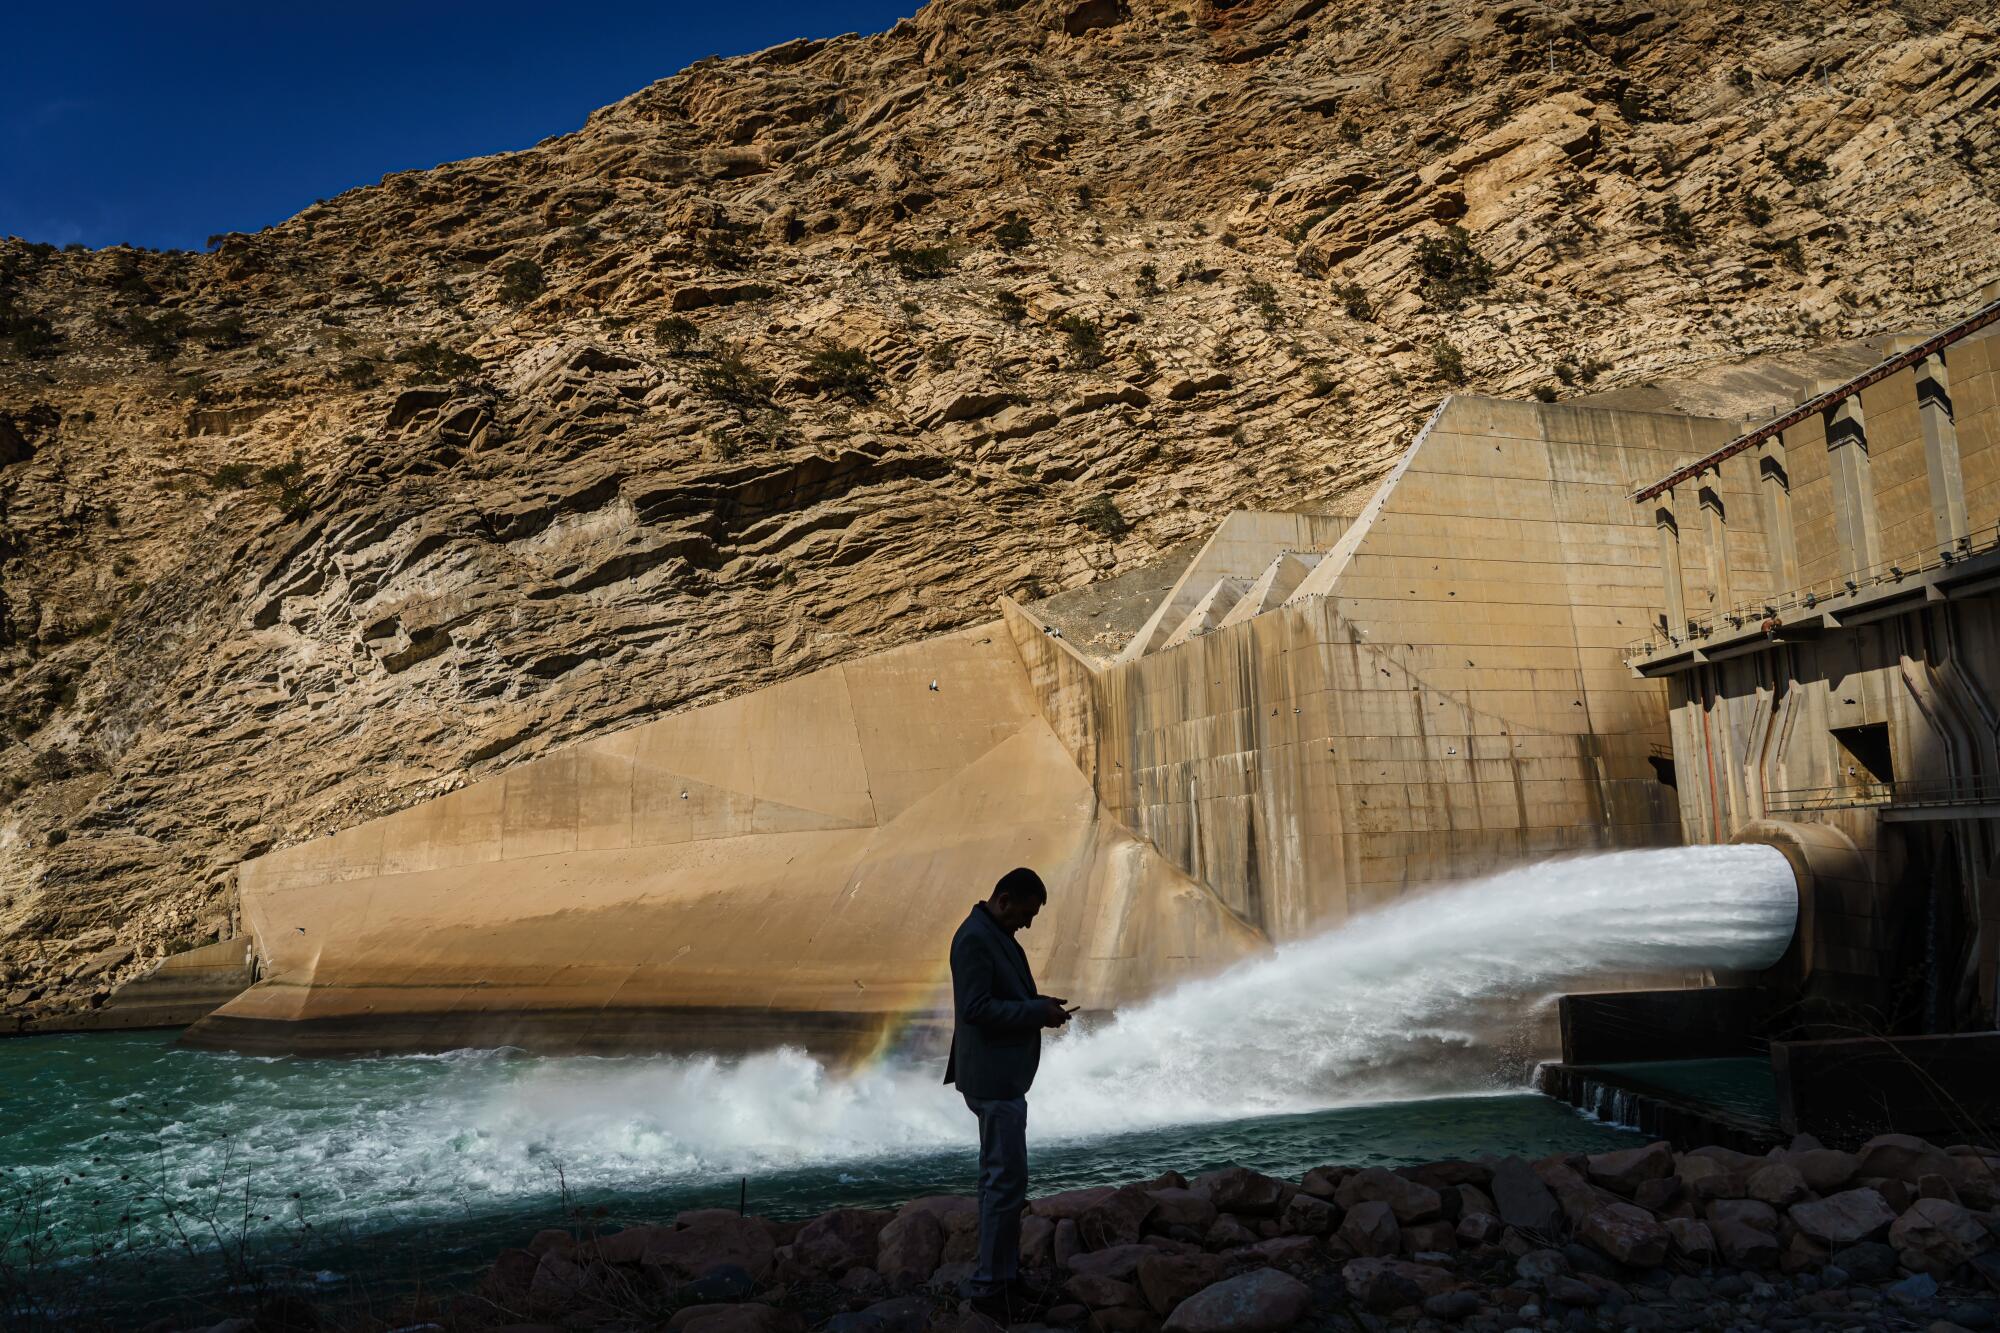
{"x": 798, "y": 357}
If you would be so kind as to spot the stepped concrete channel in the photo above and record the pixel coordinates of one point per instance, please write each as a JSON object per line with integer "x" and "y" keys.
{"x": 1319, "y": 714}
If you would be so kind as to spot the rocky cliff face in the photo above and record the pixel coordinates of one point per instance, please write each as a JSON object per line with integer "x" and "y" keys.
{"x": 811, "y": 352}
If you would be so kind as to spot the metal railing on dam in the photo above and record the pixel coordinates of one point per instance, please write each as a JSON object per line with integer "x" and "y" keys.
{"x": 1906, "y": 794}
{"x": 1966, "y": 557}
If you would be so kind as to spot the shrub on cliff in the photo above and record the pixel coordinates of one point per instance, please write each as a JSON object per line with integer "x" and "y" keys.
{"x": 1101, "y": 515}
{"x": 1450, "y": 362}
{"x": 678, "y": 334}
{"x": 846, "y": 371}
{"x": 1014, "y": 233}
{"x": 287, "y": 483}
{"x": 1451, "y": 270}
{"x": 1086, "y": 341}
{"x": 730, "y": 379}
{"x": 28, "y": 335}
{"x": 923, "y": 262}
{"x": 521, "y": 282}
{"x": 431, "y": 360}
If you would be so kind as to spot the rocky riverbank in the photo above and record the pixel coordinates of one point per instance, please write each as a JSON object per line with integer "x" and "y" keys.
{"x": 1900, "y": 1234}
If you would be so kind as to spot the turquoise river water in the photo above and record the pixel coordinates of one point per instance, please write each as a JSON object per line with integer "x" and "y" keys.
{"x": 136, "y": 1167}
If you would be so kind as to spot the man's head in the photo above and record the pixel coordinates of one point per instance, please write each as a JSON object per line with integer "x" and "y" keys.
{"x": 1016, "y": 898}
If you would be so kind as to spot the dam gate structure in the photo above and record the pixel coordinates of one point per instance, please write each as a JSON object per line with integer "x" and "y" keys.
{"x": 1830, "y": 642}
{"x": 1316, "y": 714}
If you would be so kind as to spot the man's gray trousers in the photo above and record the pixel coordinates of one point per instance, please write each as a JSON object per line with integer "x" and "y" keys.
{"x": 1003, "y": 1190}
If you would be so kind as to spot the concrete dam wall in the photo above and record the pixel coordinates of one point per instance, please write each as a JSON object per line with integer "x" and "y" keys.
{"x": 1324, "y": 713}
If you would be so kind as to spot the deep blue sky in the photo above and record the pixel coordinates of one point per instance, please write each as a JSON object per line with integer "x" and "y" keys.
{"x": 160, "y": 123}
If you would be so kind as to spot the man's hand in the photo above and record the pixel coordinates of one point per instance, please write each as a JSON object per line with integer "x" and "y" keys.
{"x": 1054, "y": 1015}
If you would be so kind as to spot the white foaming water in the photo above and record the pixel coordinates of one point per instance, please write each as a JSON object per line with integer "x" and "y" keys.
{"x": 1443, "y": 994}
{"x": 1434, "y": 996}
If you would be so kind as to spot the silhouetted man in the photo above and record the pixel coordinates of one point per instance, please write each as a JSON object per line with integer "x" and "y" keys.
{"x": 996, "y": 1045}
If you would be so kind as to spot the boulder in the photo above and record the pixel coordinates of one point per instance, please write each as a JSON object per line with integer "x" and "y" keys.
{"x": 1238, "y": 1189}
{"x": 1913, "y": 1292}
{"x": 1226, "y": 1233}
{"x": 1389, "y": 1284}
{"x": 630, "y": 1245}
{"x": 1898, "y": 1194}
{"x": 1575, "y": 1195}
{"x": 1908, "y": 1159}
{"x": 1624, "y": 1170}
{"x": 1473, "y": 1199}
{"x": 1825, "y": 1170}
{"x": 911, "y": 1247}
{"x": 1165, "y": 1280}
{"x": 1626, "y": 1232}
{"x": 1370, "y": 1230}
{"x": 1574, "y": 1291}
{"x": 1100, "y": 1293}
{"x": 550, "y": 1238}
{"x": 1451, "y": 1307}
{"x": 1980, "y": 1189}
{"x": 839, "y": 1240}
{"x": 1740, "y": 1163}
{"x": 1800, "y": 1253}
{"x": 1294, "y": 1254}
{"x": 1037, "y": 1243}
{"x": 1693, "y": 1239}
{"x": 1868, "y": 1262}
{"x": 1523, "y": 1200}
{"x": 1070, "y": 1203}
{"x": 1479, "y": 1228}
{"x": 710, "y": 1238}
{"x": 558, "y": 1282}
{"x": 1410, "y": 1201}
{"x": 1538, "y": 1266}
{"x": 902, "y": 1314}
{"x": 1438, "y": 1237}
{"x": 1308, "y": 1216}
{"x": 1117, "y": 1219}
{"x": 1323, "y": 1182}
{"x": 858, "y": 1282}
{"x": 1936, "y": 1236}
{"x": 1935, "y": 1186}
{"x": 1120, "y": 1319}
{"x": 1659, "y": 1195}
{"x": 1263, "y": 1301}
{"x": 1063, "y": 1245}
{"x": 735, "y": 1319}
{"x": 508, "y": 1280}
{"x": 1743, "y": 1245}
{"x": 1778, "y": 1184}
{"x": 1120, "y": 1261}
{"x": 1753, "y": 1211}
{"x": 1181, "y": 1208}
{"x": 1843, "y": 1218}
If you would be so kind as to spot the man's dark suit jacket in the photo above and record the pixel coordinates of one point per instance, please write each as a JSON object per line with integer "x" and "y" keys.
{"x": 996, "y": 1036}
